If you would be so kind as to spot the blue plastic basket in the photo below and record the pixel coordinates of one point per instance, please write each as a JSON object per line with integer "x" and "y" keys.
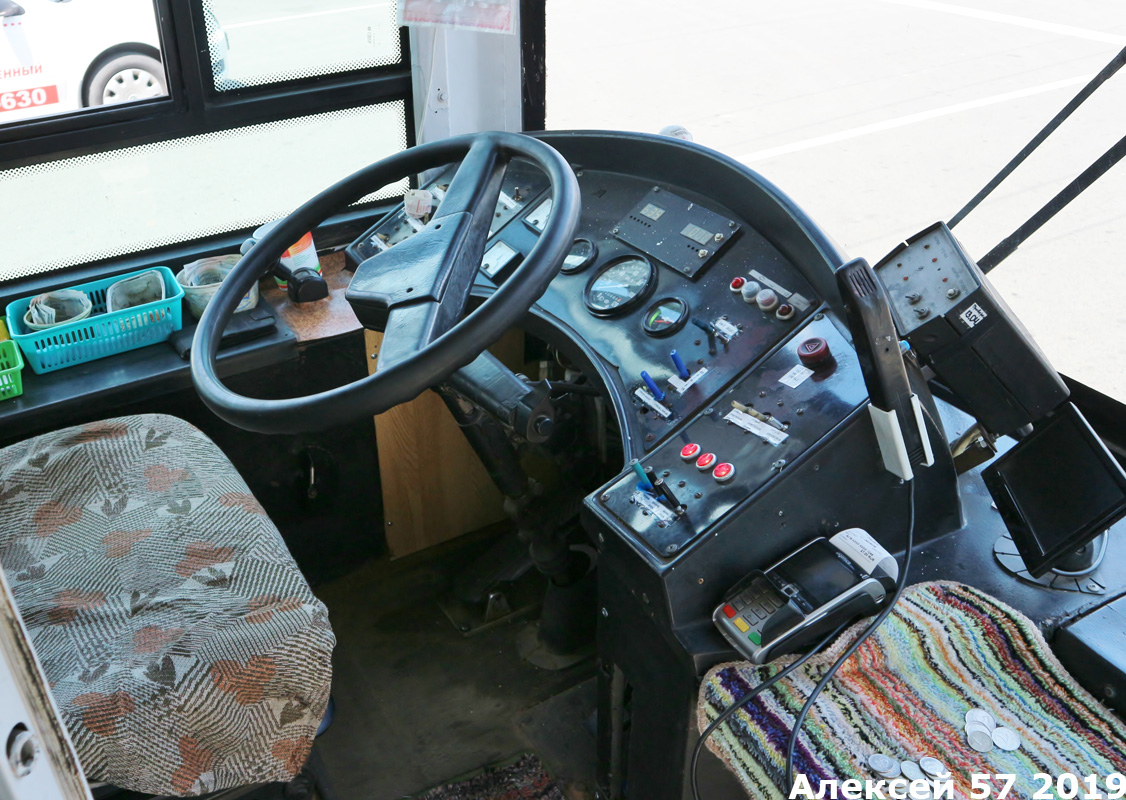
{"x": 100, "y": 334}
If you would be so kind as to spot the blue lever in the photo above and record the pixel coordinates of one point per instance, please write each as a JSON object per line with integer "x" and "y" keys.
{"x": 681, "y": 369}
{"x": 653, "y": 387}
{"x": 645, "y": 484}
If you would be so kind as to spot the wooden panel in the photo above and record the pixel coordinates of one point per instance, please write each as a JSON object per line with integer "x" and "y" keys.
{"x": 434, "y": 486}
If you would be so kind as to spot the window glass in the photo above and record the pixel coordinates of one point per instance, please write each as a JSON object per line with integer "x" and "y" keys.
{"x": 60, "y": 57}
{"x": 255, "y": 42}
{"x": 82, "y": 209}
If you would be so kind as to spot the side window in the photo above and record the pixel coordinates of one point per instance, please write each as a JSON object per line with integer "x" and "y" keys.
{"x": 132, "y": 125}
{"x": 62, "y": 57}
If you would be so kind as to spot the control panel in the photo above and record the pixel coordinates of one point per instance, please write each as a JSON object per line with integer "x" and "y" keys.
{"x": 743, "y": 438}
{"x": 961, "y": 328}
{"x": 677, "y": 318}
{"x": 523, "y": 185}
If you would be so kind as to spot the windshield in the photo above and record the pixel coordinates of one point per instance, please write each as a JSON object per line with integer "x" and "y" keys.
{"x": 884, "y": 116}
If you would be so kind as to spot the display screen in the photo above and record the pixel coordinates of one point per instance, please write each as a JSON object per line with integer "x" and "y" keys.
{"x": 818, "y": 572}
{"x": 1057, "y": 489}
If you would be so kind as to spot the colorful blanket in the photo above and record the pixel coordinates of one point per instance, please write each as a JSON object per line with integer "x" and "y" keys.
{"x": 947, "y": 648}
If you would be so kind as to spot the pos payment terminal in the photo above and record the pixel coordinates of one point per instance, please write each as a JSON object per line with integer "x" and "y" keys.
{"x": 823, "y": 585}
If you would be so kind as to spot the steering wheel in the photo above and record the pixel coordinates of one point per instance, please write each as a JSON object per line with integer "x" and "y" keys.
{"x": 416, "y": 292}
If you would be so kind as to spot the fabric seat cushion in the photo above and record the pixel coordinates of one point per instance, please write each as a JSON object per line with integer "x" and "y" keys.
{"x": 945, "y": 649}
{"x": 182, "y": 644}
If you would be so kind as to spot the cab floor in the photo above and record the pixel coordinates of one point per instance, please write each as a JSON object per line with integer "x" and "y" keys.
{"x": 418, "y": 703}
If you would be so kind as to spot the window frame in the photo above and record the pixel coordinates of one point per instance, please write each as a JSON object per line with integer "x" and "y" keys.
{"x": 193, "y": 105}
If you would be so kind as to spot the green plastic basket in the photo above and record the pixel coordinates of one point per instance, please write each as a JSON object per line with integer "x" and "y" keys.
{"x": 11, "y": 366}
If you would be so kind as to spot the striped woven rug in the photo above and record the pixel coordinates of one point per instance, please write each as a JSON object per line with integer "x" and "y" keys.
{"x": 946, "y": 648}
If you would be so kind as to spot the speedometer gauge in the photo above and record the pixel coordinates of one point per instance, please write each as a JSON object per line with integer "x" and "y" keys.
{"x": 665, "y": 317}
{"x": 620, "y": 286}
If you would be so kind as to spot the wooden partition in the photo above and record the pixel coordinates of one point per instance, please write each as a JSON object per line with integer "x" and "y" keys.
{"x": 434, "y": 486}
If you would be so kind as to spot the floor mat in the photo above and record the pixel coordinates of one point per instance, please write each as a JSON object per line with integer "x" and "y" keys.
{"x": 524, "y": 779}
{"x": 947, "y": 648}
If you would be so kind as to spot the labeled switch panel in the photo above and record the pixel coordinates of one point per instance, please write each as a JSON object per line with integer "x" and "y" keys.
{"x": 678, "y": 232}
{"x": 744, "y": 438}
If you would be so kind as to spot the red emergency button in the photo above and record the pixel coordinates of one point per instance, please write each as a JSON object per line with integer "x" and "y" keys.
{"x": 724, "y": 472}
{"x": 729, "y": 611}
{"x": 737, "y": 283}
{"x": 704, "y": 462}
{"x": 690, "y": 451}
{"x": 814, "y": 351}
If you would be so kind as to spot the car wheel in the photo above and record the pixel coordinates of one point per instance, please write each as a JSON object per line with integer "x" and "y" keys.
{"x": 125, "y": 78}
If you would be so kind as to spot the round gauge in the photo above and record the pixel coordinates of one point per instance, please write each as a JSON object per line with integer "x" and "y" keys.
{"x": 665, "y": 317}
{"x": 582, "y": 255}
{"x": 620, "y": 286}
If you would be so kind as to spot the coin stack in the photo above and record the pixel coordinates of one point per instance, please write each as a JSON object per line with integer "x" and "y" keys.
{"x": 983, "y": 733}
{"x": 926, "y": 769}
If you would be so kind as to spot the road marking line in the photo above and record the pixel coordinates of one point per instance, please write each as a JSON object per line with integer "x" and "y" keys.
{"x": 234, "y": 25}
{"x": 1009, "y": 19}
{"x": 910, "y": 119}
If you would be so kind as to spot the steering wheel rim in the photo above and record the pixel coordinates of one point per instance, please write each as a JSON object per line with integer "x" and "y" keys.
{"x": 452, "y": 348}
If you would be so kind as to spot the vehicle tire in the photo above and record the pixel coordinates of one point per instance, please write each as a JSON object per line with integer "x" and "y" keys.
{"x": 126, "y": 77}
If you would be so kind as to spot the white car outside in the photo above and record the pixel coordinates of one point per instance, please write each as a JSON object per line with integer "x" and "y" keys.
{"x": 61, "y": 56}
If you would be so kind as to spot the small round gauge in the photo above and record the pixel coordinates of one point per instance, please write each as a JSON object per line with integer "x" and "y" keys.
{"x": 620, "y": 286}
{"x": 665, "y": 317}
{"x": 582, "y": 255}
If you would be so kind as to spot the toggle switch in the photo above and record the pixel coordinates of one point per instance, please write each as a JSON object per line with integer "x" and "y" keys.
{"x": 707, "y": 329}
{"x": 670, "y": 499}
{"x": 654, "y": 389}
{"x": 681, "y": 368}
{"x": 643, "y": 479}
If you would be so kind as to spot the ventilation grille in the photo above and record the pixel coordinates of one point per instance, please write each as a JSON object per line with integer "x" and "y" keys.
{"x": 860, "y": 279}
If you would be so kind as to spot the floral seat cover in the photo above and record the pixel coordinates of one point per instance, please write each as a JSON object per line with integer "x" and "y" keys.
{"x": 183, "y": 646}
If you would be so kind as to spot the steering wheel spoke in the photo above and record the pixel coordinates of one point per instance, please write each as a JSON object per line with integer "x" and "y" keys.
{"x": 436, "y": 266}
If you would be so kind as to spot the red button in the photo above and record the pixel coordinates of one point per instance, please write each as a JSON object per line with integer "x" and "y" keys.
{"x": 785, "y": 311}
{"x": 724, "y": 472}
{"x": 814, "y": 351}
{"x": 690, "y": 451}
{"x": 704, "y": 462}
{"x": 737, "y": 284}
{"x": 729, "y": 611}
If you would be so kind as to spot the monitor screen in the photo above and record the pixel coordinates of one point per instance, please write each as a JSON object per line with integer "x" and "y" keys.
{"x": 820, "y": 577}
{"x": 1057, "y": 489}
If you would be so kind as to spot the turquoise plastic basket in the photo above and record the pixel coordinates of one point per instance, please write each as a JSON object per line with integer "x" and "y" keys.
{"x": 11, "y": 365}
{"x": 100, "y": 334}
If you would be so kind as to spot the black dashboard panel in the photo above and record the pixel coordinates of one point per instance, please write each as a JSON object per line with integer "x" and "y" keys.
{"x": 712, "y": 359}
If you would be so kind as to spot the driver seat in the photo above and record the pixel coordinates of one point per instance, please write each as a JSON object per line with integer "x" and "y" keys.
{"x": 184, "y": 648}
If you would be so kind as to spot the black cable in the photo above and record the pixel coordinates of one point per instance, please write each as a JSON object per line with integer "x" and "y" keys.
{"x": 748, "y": 697}
{"x": 900, "y": 585}
{"x": 1115, "y": 64}
{"x": 1088, "y": 176}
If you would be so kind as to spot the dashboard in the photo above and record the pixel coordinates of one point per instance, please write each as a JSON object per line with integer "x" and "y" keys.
{"x": 705, "y": 299}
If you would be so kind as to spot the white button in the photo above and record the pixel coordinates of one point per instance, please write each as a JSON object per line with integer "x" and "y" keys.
{"x": 766, "y": 299}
